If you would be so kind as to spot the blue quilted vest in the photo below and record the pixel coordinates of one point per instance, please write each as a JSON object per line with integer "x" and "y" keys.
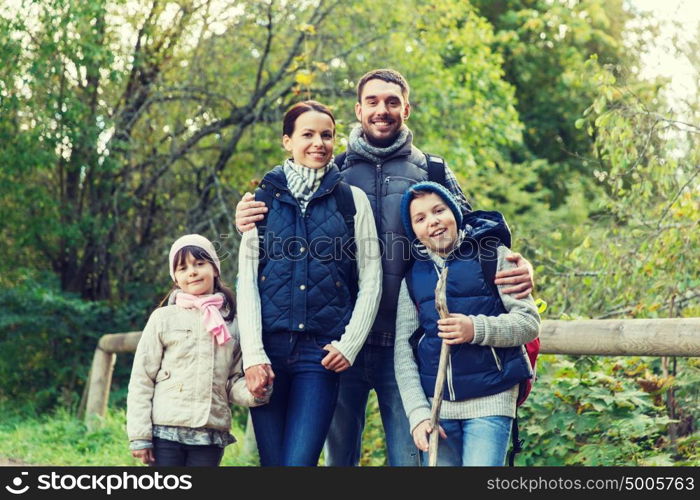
{"x": 306, "y": 273}
{"x": 473, "y": 370}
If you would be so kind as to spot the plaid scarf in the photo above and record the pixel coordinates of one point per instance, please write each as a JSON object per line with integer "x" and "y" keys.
{"x": 361, "y": 146}
{"x": 303, "y": 181}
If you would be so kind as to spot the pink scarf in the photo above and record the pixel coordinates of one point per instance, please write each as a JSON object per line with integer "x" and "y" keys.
{"x": 209, "y": 305}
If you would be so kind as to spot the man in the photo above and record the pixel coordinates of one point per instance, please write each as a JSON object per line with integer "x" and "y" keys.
{"x": 382, "y": 161}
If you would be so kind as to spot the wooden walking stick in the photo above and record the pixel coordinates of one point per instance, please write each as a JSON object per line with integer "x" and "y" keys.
{"x": 441, "y": 306}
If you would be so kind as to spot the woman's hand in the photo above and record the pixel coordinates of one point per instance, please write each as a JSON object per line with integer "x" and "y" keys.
{"x": 521, "y": 277}
{"x": 259, "y": 380}
{"x": 334, "y": 360}
{"x": 456, "y": 329}
{"x": 422, "y": 432}
{"x": 248, "y": 212}
{"x": 145, "y": 455}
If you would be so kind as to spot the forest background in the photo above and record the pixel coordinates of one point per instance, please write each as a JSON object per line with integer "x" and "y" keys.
{"x": 124, "y": 124}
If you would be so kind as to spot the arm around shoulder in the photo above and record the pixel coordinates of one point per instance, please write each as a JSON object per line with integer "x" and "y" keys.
{"x": 517, "y": 326}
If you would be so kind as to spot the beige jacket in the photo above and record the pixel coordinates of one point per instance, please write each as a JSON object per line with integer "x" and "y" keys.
{"x": 181, "y": 377}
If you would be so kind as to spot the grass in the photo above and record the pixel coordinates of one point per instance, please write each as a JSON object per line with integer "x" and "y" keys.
{"x": 62, "y": 439}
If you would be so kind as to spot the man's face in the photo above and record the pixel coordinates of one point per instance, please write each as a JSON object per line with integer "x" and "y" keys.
{"x": 381, "y": 111}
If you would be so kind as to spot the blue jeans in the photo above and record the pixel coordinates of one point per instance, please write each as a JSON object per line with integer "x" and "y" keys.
{"x": 173, "y": 454}
{"x": 473, "y": 442}
{"x": 290, "y": 429}
{"x": 373, "y": 369}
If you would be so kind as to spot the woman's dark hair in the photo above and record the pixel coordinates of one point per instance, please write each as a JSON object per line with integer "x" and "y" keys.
{"x": 199, "y": 253}
{"x": 300, "y": 108}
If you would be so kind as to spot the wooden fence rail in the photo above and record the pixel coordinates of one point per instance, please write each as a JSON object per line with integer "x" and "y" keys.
{"x": 609, "y": 337}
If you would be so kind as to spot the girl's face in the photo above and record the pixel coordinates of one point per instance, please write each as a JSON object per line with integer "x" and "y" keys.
{"x": 434, "y": 223}
{"x": 195, "y": 276}
{"x": 311, "y": 143}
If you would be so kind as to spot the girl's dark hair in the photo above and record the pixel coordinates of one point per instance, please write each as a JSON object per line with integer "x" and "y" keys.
{"x": 199, "y": 253}
{"x": 300, "y": 108}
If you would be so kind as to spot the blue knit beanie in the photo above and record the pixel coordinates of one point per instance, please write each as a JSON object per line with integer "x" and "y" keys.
{"x": 432, "y": 187}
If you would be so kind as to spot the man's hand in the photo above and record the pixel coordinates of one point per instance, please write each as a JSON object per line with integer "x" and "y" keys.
{"x": 457, "y": 329}
{"x": 248, "y": 212}
{"x": 334, "y": 360}
{"x": 521, "y": 278}
{"x": 259, "y": 380}
{"x": 422, "y": 432}
{"x": 145, "y": 455}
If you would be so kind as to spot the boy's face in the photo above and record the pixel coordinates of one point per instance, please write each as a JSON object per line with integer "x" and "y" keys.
{"x": 434, "y": 223}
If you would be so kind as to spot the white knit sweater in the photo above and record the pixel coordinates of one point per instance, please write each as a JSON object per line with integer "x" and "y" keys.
{"x": 369, "y": 269}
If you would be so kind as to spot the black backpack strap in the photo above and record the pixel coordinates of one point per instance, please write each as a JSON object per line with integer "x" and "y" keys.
{"x": 263, "y": 193}
{"x": 346, "y": 205}
{"x": 489, "y": 265}
{"x": 517, "y": 442}
{"x": 340, "y": 160}
{"x": 436, "y": 169}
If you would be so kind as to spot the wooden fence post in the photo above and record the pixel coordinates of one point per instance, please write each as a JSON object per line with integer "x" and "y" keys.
{"x": 101, "y": 371}
{"x": 99, "y": 385}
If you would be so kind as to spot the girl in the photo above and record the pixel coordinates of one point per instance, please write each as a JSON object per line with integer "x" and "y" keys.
{"x": 308, "y": 292}
{"x": 187, "y": 369}
{"x": 486, "y": 328}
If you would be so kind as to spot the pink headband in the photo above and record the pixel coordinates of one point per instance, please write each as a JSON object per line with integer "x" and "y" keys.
{"x": 194, "y": 240}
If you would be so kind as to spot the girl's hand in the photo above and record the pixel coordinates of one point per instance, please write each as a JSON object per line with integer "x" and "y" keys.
{"x": 521, "y": 277}
{"x": 457, "y": 329}
{"x": 334, "y": 360}
{"x": 259, "y": 380}
{"x": 248, "y": 212}
{"x": 145, "y": 455}
{"x": 422, "y": 432}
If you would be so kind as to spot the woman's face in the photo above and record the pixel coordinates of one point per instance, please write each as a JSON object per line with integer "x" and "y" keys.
{"x": 434, "y": 223}
{"x": 311, "y": 143}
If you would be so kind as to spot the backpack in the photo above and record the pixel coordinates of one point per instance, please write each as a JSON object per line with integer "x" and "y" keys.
{"x": 530, "y": 350}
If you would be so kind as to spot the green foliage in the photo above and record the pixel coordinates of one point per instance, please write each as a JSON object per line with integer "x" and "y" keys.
{"x": 48, "y": 338}
{"x": 373, "y": 444}
{"x": 123, "y": 126}
{"x": 593, "y": 411}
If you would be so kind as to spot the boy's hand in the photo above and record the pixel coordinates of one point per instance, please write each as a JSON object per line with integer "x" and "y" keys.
{"x": 456, "y": 329}
{"x": 521, "y": 277}
{"x": 259, "y": 380}
{"x": 145, "y": 455}
{"x": 422, "y": 432}
{"x": 334, "y": 360}
{"x": 248, "y": 212}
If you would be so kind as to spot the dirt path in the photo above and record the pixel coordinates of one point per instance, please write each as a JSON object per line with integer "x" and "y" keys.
{"x": 4, "y": 462}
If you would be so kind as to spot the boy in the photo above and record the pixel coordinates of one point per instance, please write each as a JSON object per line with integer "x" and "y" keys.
{"x": 486, "y": 328}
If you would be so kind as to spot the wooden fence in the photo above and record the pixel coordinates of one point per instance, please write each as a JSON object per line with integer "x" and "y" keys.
{"x": 624, "y": 337}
